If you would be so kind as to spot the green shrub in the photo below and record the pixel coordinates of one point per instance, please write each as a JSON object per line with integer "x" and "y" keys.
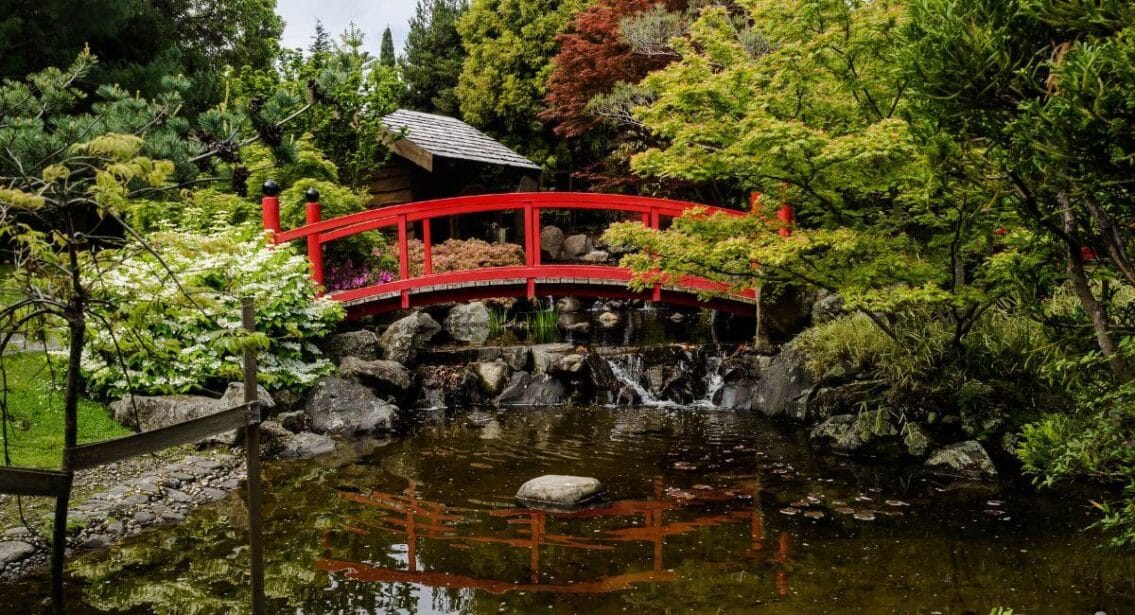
{"x": 334, "y": 200}
{"x": 202, "y": 211}
{"x": 851, "y": 342}
{"x": 1096, "y": 442}
{"x": 1000, "y": 362}
{"x": 186, "y": 336}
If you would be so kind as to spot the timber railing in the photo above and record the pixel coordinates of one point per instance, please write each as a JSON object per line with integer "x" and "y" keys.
{"x": 57, "y": 484}
{"x": 410, "y": 217}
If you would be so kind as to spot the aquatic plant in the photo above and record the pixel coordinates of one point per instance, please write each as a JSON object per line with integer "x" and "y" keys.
{"x": 498, "y": 320}
{"x": 541, "y": 326}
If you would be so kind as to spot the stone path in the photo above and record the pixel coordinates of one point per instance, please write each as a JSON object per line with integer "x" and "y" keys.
{"x": 163, "y": 494}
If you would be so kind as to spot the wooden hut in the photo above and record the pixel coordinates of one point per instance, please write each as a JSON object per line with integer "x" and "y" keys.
{"x": 436, "y": 156}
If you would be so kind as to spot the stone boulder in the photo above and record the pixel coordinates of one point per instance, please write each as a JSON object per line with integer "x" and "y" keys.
{"x": 872, "y": 433}
{"x": 964, "y": 459}
{"x": 551, "y": 241}
{"x": 545, "y": 355}
{"x": 558, "y": 492}
{"x": 277, "y": 441}
{"x": 14, "y": 551}
{"x": 517, "y": 357}
{"x": 152, "y": 412}
{"x": 595, "y": 257}
{"x": 917, "y": 440}
{"x": 468, "y": 323}
{"x": 362, "y": 344}
{"x": 307, "y": 445}
{"x": 492, "y": 375}
{"x": 734, "y": 397}
{"x": 568, "y": 305}
{"x": 338, "y": 406}
{"x": 608, "y": 319}
{"x": 525, "y": 389}
{"x": 782, "y": 384}
{"x": 575, "y": 246}
{"x": 402, "y": 339}
{"x": 828, "y": 307}
{"x": 385, "y": 377}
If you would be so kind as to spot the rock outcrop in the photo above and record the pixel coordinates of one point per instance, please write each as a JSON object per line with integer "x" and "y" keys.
{"x": 152, "y": 412}
{"x": 338, "y": 406}
{"x": 402, "y": 339}
{"x": 468, "y": 322}
{"x": 966, "y": 459}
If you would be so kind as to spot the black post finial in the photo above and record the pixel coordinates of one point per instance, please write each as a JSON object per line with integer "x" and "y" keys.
{"x": 270, "y": 188}
{"x": 312, "y": 195}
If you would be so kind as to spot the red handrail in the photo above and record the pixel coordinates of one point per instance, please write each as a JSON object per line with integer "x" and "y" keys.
{"x": 318, "y": 232}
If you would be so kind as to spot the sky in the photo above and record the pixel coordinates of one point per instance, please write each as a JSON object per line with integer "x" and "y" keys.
{"x": 371, "y": 15}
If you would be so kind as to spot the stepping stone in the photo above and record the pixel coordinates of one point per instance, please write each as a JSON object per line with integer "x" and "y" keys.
{"x": 558, "y": 492}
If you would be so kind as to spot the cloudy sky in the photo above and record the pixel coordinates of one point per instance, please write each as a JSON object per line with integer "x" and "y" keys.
{"x": 371, "y": 15}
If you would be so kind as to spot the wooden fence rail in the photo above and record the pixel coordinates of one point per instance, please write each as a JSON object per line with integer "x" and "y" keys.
{"x": 56, "y": 484}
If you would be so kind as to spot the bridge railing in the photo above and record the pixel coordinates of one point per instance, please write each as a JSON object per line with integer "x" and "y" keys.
{"x": 318, "y": 232}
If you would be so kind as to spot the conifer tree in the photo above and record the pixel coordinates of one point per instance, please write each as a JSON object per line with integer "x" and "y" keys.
{"x": 386, "y": 54}
{"x": 431, "y": 61}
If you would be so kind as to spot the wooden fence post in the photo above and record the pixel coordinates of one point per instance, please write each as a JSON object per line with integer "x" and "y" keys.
{"x": 252, "y": 448}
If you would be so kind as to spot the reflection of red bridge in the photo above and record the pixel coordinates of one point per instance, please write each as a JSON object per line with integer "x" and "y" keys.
{"x": 530, "y": 279}
{"x": 417, "y": 519}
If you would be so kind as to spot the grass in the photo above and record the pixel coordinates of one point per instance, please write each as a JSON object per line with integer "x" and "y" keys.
{"x": 498, "y": 319}
{"x": 541, "y": 326}
{"x": 35, "y": 407}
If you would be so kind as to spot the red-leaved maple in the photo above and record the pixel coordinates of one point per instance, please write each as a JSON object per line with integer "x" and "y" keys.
{"x": 592, "y": 59}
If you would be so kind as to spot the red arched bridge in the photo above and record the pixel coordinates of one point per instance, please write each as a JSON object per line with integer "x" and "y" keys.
{"x": 533, "y": 278}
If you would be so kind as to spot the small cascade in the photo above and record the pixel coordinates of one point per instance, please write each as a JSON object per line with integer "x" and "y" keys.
{"x": 629, "y": 370}
{"x": 714, "y": 378}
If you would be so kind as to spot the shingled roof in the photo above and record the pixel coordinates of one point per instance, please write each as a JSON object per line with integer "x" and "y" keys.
{"x": 428, "y": 135}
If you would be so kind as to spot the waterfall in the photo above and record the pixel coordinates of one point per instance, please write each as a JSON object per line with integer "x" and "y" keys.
{"x": 628, "y": 370}
{"x": 715, "y": 380}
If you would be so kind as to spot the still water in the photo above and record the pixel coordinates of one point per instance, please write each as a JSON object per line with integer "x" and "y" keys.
{"x": 706, "y": 512}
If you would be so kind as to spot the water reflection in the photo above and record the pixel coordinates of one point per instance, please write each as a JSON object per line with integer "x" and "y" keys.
{"x": 639, "y": 521}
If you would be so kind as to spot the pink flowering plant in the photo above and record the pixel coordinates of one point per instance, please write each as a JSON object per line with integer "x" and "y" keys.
{"x": 345, "y": 273}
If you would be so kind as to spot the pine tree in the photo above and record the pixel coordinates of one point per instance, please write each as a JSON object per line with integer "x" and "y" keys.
{"x": 431, "y": 62}
{"x": 386, "y": 54}
{"x": 321, "y": 40}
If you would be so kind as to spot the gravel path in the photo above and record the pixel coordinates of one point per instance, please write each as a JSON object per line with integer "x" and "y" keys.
{"x": 117, "y": 500}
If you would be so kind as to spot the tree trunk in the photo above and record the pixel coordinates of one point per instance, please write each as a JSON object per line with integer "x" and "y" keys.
{"x": 1092, "y": 307}
{"x": 76, "y": 318}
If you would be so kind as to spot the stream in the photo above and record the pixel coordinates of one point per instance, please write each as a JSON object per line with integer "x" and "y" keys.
{"x": 706, "y": 511}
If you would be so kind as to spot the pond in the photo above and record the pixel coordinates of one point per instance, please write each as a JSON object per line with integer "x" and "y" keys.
{"x": 706, "y": 512}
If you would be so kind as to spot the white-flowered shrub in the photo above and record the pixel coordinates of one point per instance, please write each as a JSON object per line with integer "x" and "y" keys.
{"x": 174, "y": 321}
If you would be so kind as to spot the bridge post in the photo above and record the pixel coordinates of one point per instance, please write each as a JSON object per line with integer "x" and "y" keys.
{"x": 270, "y": 206}
{"x": 403, "y": 258}
{"x": 531, "y": 245}
{"x": 655, "y": 223}
{"x": 787, "y": 215}
{"x": 536, "y": 249}
{"x": 427, "y": 246}
{"x": 313, "y": 213}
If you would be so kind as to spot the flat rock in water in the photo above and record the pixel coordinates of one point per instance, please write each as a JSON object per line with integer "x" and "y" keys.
{"x": 554, "y": 491}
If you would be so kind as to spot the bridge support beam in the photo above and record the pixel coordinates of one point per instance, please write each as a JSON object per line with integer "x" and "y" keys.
{"x": 314, "y": 245}
{"x": 427, "y": 247}
{"x": 270, "y": 206}
{"x": 531, "y": 245}
{"x": 403, "y": 258}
